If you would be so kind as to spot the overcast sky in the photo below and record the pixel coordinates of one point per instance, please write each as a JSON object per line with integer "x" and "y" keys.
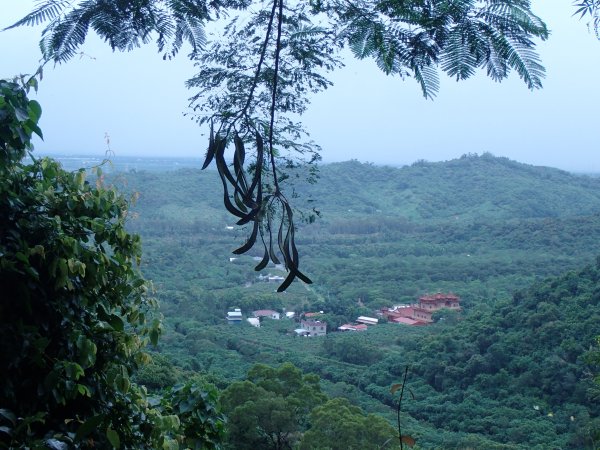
{"x": 139, "y": 100}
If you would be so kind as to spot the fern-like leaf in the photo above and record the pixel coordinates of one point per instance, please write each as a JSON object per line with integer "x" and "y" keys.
{"x": 45, "y": 11}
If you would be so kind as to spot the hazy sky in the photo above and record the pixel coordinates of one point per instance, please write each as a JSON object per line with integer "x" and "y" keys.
{"x": 138, "y": 99}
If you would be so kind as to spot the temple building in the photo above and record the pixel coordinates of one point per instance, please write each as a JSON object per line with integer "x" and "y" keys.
{"x": 420, "y": 313}
{"x": 428, "y": 304}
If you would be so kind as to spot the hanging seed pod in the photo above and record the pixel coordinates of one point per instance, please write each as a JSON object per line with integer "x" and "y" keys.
{"x": 210, "y": 153}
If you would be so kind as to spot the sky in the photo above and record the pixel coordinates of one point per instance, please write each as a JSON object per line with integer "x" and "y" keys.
{"x": 138, "y": 100}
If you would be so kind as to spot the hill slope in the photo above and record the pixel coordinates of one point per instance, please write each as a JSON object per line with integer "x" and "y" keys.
{"x": 472, "y": 187}
{"x": 479, "y": 225}
{"x": 488, "y": 381}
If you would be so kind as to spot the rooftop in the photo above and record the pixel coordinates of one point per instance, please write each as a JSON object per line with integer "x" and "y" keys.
{"x": 352, "y": 327}
{"x": 439, "y": 296}
{"x": 264, "y": 312}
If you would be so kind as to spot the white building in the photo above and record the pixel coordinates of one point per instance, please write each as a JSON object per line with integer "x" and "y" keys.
{"x": 367, "y": 320}
{"x": 314, "y": 327}
{"x": 254, "y": 321}
{"x": 235, "y": 316}
{"x": 267, "y": 313}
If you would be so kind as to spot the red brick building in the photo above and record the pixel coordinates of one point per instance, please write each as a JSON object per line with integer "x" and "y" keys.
{"x": 420, "y": 313}
{"x": 428, "y": 304}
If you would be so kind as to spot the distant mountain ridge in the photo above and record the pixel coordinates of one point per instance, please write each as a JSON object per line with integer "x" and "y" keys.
{"x": 471, "y": 187}
{"x": 466, "y": 188}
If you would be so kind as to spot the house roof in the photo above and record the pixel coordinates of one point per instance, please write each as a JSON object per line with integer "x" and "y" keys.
{"x": 367, "y": 320}
{"x": 406, "y": 311}
{"x": 313, "y": 323}
{"x": 407, "y": 321}
{"x": 439, "y": 296}
{"x": 264, "y": 312}
{"x": 352, "y": 327}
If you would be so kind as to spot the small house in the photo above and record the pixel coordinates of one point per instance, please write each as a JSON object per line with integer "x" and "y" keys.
{"x": 267, "y": 313}
{"x": 408, "y": 321}
{"x": 421, "y": 313}
{"x": 367, "y": 320}
{"x": 234, "y": 317}
{"x": 255, "y": 322}
{"x": 314, "y": 327}
{"x": 301, "y": 332}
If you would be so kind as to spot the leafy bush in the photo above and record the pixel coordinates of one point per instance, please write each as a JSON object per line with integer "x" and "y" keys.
{"x": 75, "y": 313}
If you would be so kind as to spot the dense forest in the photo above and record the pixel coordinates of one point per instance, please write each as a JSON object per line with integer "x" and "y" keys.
{"x": 513, "y": 370}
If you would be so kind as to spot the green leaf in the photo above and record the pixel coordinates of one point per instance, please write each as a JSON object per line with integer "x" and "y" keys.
{"x": 21, "y": 114}
{"x": 116, "y": 322}
{"x": 33, "y": 82}
{"x": 113, "y": 438}
{"x": 88, "y": 426}
{"x": 22, "y": 257}
{"x": 122, "y": 381}
{"x": 35, "y": 110}
{"x": 83, "y": 390}
{"x": 87, "y": 351}
{"x": 73, "y": 370}
{"x": 154, "y": 334}
{"x": 38, "y": 250}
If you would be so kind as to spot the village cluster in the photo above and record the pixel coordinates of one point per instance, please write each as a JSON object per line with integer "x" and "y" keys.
{"x": 416, "y": 314}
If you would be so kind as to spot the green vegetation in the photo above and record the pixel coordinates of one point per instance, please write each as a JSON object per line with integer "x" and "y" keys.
{"x": 75, "y": 314}
{"x": 513, "y": 371}
{"x": 337, "y": 425}
{"x": 387, "y": 249}
{"x": 270, "y": 410}
{"x": 261, "y": 63}
{"x": 510, "y": 372}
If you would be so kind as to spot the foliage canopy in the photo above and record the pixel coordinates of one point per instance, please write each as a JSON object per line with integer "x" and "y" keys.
{"x": 271, "y": 408}
{"x": 75, "y": 313}
{"x": 591, "y": 9}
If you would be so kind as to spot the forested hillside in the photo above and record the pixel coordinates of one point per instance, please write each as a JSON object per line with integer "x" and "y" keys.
{"x": 471, "y": 187}
{"x": 509, "y": 372}
{"x": 375, "y": 240}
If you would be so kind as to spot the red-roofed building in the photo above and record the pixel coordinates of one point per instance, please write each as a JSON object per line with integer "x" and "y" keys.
{"x": 407, "y": 321}
{"x": 428, "y": 304}
{"x": 398, "y": 312}
{"x": 422, "y": 311}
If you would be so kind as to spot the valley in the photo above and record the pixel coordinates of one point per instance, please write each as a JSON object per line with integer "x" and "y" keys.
{"x": 517, "y": 243}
